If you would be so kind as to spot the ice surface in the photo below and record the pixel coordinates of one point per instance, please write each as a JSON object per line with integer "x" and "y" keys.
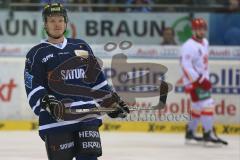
{"x": 27, "y": 145}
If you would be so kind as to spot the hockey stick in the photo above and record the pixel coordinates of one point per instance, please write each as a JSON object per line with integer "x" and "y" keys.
{"x": 109, "y": 110}
{"x": 100, "y": 110}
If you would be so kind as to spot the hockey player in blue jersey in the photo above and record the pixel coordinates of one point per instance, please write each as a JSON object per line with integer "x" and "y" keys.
{"x": 77, "y": 138}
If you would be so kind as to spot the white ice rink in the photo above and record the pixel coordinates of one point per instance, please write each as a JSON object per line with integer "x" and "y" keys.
{"x": 123, "y": 146}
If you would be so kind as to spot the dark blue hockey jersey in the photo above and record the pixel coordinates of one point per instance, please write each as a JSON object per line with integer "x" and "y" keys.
{"x": 44, "y": 58}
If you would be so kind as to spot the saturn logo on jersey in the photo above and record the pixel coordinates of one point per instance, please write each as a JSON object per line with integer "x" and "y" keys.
{"x": 73, "y": 74}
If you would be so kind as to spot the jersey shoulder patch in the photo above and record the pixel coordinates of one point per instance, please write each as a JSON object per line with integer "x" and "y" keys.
{"x": 28, "y": 78}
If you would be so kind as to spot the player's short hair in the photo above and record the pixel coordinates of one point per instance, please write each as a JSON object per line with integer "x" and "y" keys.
{"x": 52, "y": 9}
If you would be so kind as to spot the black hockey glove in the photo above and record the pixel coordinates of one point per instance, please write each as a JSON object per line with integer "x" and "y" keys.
{"x": 120, "y": 112}
{"x": 53, "y": 106}
{"x": 121, "y": 108}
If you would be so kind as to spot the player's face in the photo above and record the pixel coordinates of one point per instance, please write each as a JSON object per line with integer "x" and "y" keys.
{"x": 55, "y": 26}
{"x": 168, "y": 35}
{"x": 200, "y": 33}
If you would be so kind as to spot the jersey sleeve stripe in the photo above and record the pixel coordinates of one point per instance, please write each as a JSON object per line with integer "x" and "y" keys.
{"x": 36, "y": 105}
{"x": 33, "y": 92}
{"x": 79, "y": 103}
{"x": 104, "y": 83}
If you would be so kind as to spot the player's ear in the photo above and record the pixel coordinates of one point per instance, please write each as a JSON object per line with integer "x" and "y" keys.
{"x": 65, "y": 26}
{"x": 45, "y": 26}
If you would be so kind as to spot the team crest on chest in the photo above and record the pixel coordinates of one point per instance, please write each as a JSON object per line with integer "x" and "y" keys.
{"x": 81, "y": 53}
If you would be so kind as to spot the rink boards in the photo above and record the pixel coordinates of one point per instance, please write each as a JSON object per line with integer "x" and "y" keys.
{"x": 225, "y": 75}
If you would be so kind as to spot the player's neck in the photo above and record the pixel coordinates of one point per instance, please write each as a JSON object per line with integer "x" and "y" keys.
{"x": 199, "y": 40}
{"x": 56, "y": 41}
